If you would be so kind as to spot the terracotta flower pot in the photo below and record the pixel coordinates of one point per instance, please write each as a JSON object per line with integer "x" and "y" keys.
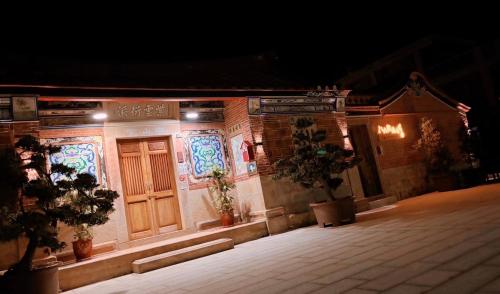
{"x": 227, "y": 219}
{"x": 82, "y": 249}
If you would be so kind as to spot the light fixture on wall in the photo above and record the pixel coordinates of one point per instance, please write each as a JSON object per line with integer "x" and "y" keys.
{"x": 100, "y": 115}
{"x": 192, "y": 115}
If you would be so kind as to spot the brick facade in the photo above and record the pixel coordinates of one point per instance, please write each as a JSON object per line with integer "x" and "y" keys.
{"x": 276, "y": 133}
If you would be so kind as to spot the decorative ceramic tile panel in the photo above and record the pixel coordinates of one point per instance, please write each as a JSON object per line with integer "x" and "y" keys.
{"x": 85, "y": 154}
{"x": 206, "y": 152}
{"x": 82, "y": 157}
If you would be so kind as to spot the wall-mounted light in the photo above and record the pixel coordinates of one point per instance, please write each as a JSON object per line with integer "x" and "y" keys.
{"x": 391, "y": 130}
{"x": 100, "y": 115}
{"x": 192, "y": 115}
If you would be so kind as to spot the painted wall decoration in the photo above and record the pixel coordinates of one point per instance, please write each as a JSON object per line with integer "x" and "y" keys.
{"x": 85, "y": 154}
{"x": 240, "y": 166}
{"x": 206, "y": 152}
{"x": 81, "y": 157}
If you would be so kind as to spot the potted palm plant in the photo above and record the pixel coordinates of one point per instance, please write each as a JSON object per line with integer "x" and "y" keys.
{"x": 315, "y": 164}
{"x": 223, "y": 201}
{"x": 30, "y": 209}
{"x": 87, "y": 206}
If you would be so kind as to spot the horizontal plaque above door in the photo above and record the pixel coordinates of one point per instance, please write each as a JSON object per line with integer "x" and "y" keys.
{"x": 132, "y": 111}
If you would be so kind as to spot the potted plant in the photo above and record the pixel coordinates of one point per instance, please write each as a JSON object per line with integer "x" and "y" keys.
{"x": 85, "y": 207}
{"x": 223, "y": 201}
{"x": 316, "y": 164}
{"x": 30, "y": 209}
{"x": 437, "y": 158}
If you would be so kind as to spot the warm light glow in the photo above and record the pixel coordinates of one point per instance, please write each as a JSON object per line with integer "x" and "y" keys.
{"x": 100, "y": 115}
{"x": 192, "y": 115}
{"x": 391, "y": 130}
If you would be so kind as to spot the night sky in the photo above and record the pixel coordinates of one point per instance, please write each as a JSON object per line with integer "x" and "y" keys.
{"x": 301, "y": 50}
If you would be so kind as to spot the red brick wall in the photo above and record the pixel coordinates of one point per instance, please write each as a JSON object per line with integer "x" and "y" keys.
{"x": 237, "y": 122}
{"x": 276, "y": 134}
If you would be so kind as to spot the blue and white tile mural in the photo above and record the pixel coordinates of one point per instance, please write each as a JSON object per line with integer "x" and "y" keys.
{"x": 81, "y": 157}
{"x": 84, "y": 154}
{"x": 206, "y": 153}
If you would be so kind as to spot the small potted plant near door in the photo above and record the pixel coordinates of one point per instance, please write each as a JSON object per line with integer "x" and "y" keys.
{"x": 223, "y": 201}
{"x": 30, "y": 209}
{"x": 315, "y": 164}
{"x": 87, "y": 206}
{"x": 437, "y": 158}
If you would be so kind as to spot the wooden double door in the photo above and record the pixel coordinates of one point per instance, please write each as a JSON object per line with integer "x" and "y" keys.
{"x": 149, "y": 189}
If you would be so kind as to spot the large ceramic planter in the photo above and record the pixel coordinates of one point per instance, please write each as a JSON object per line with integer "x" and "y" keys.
{"x": 336, "y": 213}
{"x": 326, "y": 213}
{"x": 346, "y": 210}
{"x": 82, "y": 249}
{"x": 227, "y": 219}
{"x": 41, "y": 280}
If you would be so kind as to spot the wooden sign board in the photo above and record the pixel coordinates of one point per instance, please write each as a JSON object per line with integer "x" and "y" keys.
{"x": 133, "y": 111}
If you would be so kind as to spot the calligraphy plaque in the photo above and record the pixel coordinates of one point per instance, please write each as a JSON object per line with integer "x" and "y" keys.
{"x": 132, "y": 111}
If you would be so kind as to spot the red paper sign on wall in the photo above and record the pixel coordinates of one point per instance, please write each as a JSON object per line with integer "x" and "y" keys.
{"x": 247, "y": 151}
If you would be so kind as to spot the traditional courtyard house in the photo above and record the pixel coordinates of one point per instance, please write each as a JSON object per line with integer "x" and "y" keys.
{"x": 156, "y": 146}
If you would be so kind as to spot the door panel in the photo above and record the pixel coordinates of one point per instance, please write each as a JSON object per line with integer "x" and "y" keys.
{"x": 165, "y": 211}
{"x": 159, "y": 170}
{"x": 139, "y": 213}
{"x": 149, "y": 187}
{"x": 164, "y": 201}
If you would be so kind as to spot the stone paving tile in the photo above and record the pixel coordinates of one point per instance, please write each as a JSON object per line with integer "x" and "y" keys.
{"x": 303, "y": 288}
{"x": 453, "y": 249}
{"x": 278, "y": 286}
{"x": 494, "y": 260}
{"x": 453, "y": 252}
{"x": 407, "y": 289}
{"x": 360, "y": 291}
{"x": 343, "y": 273}
{"x": 469, "y": 281}
{"x": 492, "y": 287}
{"x": 339, "y": 287}
{"x": 374, "y": 272}
{"x": 432, "y": 278}
{"x": 470, "y": 259}
{"x": 396, "y": 277}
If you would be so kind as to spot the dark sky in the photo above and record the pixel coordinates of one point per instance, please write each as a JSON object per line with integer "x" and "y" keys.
{"x": 302, "y": 49}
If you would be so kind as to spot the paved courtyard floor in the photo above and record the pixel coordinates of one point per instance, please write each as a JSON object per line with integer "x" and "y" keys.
{"x": 436, "y": 243}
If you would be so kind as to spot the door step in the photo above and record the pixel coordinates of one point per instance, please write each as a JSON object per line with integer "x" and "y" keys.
{"x": 177, "y": 256}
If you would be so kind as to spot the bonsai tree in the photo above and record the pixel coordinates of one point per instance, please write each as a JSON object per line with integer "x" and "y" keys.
{"x": 223, "y": 201}
{"x": 437, "y": 157}
{"x": 84, "y": 207}
{"x": 31, "y": 208}
{"x": 314, "y": 163}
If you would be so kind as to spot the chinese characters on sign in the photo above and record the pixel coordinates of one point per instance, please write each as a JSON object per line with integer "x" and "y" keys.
{"x": 118, "y": 111}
